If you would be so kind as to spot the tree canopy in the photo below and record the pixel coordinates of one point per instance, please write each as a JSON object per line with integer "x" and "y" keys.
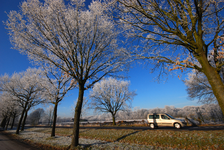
{"x": 177, "y": 35}
{"x": 26, "y": 89}
{"x": 82, "y": 43}
{"x": 111, "y": 95}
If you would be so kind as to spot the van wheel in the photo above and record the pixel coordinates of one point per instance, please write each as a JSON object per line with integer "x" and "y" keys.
{"x": 152, "y": 126}
{"x": 177, "y": 125}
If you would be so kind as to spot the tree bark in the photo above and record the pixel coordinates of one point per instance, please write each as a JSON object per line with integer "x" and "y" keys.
{"x": 54, "y": 121}
{"x": 24, "y": 120}
{"x": 3, "y": 122}
{"x": 217, "y": 87}
{"x": 114, "y": 122}
{"x": 78, "y": 109}
{"x": 211, "y": 73}
{"x": 21, "y": 118}
{"x": 214, "y": 80}
{"x": 13, "y": 120}
{"x": 7, "y": 123}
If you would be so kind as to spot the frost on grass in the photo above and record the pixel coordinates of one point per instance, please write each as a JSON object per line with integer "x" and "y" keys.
{"x": 131, "y": 139}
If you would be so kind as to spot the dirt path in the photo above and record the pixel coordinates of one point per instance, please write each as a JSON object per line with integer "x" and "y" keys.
{"x": 9, "y": 143}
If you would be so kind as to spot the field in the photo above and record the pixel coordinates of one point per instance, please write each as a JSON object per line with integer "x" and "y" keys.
{"x": 193, "y": 140}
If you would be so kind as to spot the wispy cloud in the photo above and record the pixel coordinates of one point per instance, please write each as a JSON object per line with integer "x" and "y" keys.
{"x": 183, "y": 96}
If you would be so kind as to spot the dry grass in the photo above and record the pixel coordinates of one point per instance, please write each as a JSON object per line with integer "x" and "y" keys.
{"x": 164, "y": 138}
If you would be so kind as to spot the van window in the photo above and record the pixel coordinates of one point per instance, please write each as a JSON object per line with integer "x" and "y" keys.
{"x": 164, "y": 117}
{"x": 156, "y": 117}
{"x": 153, "y": 116}
{"x": 150, "y": 116}
{"x": 170, "y": 116}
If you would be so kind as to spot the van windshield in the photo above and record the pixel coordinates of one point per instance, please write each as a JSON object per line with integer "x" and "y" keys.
{"x": 170, "y": 116}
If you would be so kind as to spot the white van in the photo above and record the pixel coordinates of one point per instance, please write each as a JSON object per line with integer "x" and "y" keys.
{"x": 157, "y": 120}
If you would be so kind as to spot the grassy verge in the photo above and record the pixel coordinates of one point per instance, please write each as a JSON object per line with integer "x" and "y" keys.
{"x": 164, "y": 138}
{"x": 34, "y": 145}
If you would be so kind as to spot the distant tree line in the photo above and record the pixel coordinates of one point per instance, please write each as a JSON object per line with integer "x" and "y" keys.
{"x": 203, "y": 113}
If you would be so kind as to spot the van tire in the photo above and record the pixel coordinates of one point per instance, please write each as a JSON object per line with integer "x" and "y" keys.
{"x": 177, "y": 125}
{"x": 152, "y": 126}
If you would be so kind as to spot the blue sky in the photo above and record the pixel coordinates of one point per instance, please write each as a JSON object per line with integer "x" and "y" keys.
{"x": 150, "y": 94}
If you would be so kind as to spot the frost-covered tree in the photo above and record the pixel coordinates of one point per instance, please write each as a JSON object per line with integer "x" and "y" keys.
{"x": 9, "y": 108}
{"x": 199, "y": 88}
{"x": 178, "y": 34}
{"x": 48, "y": 115}
{"x": 25, "y": 88}
{"x": 35, "y": 116}
{"x": 111, "y": 95}
{"x": 84, "y": 40}
{"x": 56, "y": 88}
{"x": 4, "y": 113}
{"x": 170, "y": 110}
{"x": 206, "y": 113}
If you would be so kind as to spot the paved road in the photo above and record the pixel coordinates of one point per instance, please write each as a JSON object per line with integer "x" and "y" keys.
{"x": 8, "y": 143}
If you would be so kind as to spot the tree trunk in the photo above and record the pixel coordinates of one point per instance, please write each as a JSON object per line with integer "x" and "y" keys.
{"x": 78, "y": 108}
{"x": 214, "y": 80}
{"x": 114, "y": 122}
{"x": 13, "y": 120}
{"x": 3, "y": 122}
{"x": 24, "y": 121}
{"x": 54, "y": 121}
{"x": 21, "y": 118}
{"x": 7, "y": 123}
{"x": 217, "y": 88}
